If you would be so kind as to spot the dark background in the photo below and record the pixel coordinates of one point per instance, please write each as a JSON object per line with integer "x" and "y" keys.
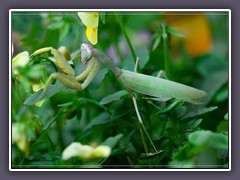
{"x": 104, "y": 4}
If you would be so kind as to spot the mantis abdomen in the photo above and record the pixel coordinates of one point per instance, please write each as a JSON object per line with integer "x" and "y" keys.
{"x": 161, "y": 88}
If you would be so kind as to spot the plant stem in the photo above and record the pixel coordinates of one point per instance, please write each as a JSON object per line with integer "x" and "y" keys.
{"x": 18, "y": 92}
{"x": 165, "y": 50}
{"x": 143, "y": 138}
{"x": 134, "y": 56}
{"x": 118, "y": 52}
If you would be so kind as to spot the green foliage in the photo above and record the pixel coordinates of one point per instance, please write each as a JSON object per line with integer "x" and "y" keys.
{"x": 202, "y": 146}
{"x": 185, "y": 135}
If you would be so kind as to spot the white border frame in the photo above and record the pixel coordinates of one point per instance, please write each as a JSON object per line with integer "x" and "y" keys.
{"x": 123, "y": 10}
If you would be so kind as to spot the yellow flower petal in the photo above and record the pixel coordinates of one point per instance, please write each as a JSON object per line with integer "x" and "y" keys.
{"x": 39, "y": 103}
{"x": 89, "y": 19}
{"x": 101, "y": 151}
{"x": 92, "y": 35}
{"x": 37, "y": 86}
{"x": 85, "y": 152}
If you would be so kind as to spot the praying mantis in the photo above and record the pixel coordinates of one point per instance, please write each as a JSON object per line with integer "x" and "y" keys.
{"x": 131, "y": 81}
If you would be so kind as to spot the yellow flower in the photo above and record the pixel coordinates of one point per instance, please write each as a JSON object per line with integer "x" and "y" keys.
{"x": 19, "y": 60}
{"x": 36, "y": 87}
{"x": 19, "y": 137}
{"x": 90, "y": 20}
{"x": 85, "y": 152}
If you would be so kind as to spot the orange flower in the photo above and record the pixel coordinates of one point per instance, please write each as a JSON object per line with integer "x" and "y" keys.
{"x": 195, "y": 27}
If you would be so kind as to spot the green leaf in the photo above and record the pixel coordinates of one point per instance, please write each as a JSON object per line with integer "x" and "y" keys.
{"x": 128, "y": 63}
{"x": 35, "y": 72}
{"x": 51, "y": 39}
{"x": 52, "y": 121}
{"x": 156, "y": 43}
{"x": 118, "y": 113}
{"x": 199, "y": 138}
{"x": 172, "y": 31}
{"x": 64, "y": 31}
{"x": 194, "y": 123}
{"x": 226, "y": 117}
{"x": 30, "y": 42}
{"x": 209, "y": 65}
{"x": 208, "y": 138}
{"x": 112, "y": 141}
{"x": 102, "y": 118}
{"x": 222, "y": 126}
{"x": 182, "y": 153}
{"x": 91, "y": 101}
{"x": 219, "y": 141}
{"x": 38, "y": 96}
{"x": 171, "y": 106}
{"x": 187, "y": 164}
{"x": 217, "y": 80}
{"x": 113, "y": 97}
{"x": 55, "y": 25}
{"x": 97, "y": 80}
{"x": 221, "y": 94}
{"x": 102, "y": 15}
{"x": 143, "y": 55}
{"x": 198, "y": 112}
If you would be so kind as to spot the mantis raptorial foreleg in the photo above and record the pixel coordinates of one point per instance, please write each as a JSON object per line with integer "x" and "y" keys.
{"x": 69, "y": 80}
{"x": 86, "y": 72}
{"x": 72, "y": 82}
{"x": 92, "y": 74}
{"x": 66, "y": 80}
{"x": 63, "y": 63}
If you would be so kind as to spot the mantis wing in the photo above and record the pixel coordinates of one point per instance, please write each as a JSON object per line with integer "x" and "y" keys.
{"x": 162, "y": 88}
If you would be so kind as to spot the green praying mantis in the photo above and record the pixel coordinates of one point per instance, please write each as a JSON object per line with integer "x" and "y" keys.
{"x": 131, "y": 81}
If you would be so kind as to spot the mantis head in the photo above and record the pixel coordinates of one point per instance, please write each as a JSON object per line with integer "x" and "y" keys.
{"x": 86, "y": 52}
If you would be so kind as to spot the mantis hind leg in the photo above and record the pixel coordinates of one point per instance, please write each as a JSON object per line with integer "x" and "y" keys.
{"x": 160, "y": 74}
{"x": 142, "y": 127}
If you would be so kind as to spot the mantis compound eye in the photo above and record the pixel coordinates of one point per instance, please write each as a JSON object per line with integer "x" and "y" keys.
{"x": 86, "y": 52}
